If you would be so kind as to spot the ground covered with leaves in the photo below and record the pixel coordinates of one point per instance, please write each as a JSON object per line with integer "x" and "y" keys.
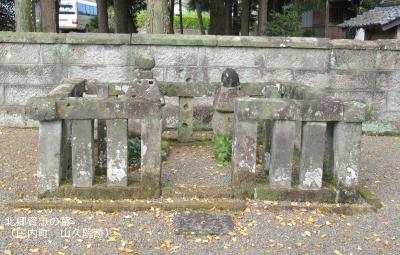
{"x": 256, "y": 230}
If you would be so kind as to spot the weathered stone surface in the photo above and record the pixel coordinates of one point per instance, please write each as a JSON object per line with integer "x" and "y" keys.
{"x": 185, "y": 125}
{"x": 224, "y": 99}
{"x": 199, "y": 223}
{"x": 312, "y": 155}
{"x": 353, "y": 59}
{"x": 19, "y": 53}
{"x": 146, "y": 88}
{"x": 102, "y": 92}
{"x": 280, "y": 170}
{"x": 31, "y": 74}
{"x": 49, "y": 156}
{"x": 354, "y": 111}
{"x": 82, "y": 153}
{"x": 347, "y": 154}
{"x": 222, "y": 123}
{"x": 151, "y": 158}
{"x": 244, "y": 149}
{"x": 393, "y": 101}
{"x": 296, "y": 59}
{"x": 110, "y": 108}
{"x": 41, "y": 108}
{"x": 145, "y": 61}
{"x": 117, "y": 152}
{"x": 20, "y": 95}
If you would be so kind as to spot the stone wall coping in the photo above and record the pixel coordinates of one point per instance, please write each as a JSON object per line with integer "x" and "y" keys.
{"x": 196, "y": 40}
{"x": 255, "y": 109}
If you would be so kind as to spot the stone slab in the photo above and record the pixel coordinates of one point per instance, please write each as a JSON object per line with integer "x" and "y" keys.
{"x": 312, "y": 155}
{"x": 199, "y": 223}
{"x": 117, "y": 152}
{"x": 82, "y": 153}
{"x": 49, "y": 169}
{"x": 282, "y": 149}
{"x": 185, "y": 125}
{"x": 347, "y": 159}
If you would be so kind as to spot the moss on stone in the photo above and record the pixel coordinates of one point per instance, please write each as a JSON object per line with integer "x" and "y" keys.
{"x": 324, "y": 195}
{"x": 189, "y": 191}
{"x": 370, "y": 197}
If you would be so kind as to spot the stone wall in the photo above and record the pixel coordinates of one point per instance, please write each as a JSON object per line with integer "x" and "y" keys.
{"x": 31, "y": 64}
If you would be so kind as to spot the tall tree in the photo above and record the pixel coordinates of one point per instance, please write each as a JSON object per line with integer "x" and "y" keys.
{"x": 228, "y": 16}
{"x": 171, "y": 16}
{"x": 49, "y": 15}
{"x": 102, "y": 16}
{"x": 121, "y": 8}
{"x": 217, "y": 17}
{"x": 23, "y": 15}
{"x": 200, "y": 16}
{"x": 158, "y": 17}
{"x": 262, "y": 17}
{"x": 180, "y": 16}
{"x": 244, "y": 31}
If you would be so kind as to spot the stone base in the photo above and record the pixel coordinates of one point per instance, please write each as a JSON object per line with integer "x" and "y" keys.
{"x": 324, "y": 195}
{"x": 222, "y": 123}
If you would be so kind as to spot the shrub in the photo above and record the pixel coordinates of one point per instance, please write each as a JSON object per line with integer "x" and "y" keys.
{"x": 286, "y": 23}
{"x": 222, "y": 148}
{"x": 134, "y": 152}
{"x": 189, "y": 20}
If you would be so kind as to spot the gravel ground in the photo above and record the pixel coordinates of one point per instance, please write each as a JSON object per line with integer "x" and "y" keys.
{"x": 194, "y": 164}
{"x": 257, "y": 231}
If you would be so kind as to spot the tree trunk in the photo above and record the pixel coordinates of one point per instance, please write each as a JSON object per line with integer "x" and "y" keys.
{"x": 121, "y": 9}
{"x": 158, "y": 17}
{"x": 49, "y": 16}
{"x": 262, "y": 17}
{"x": 216, "y": 17}
{"x": 244, "y": 28}
{"x": 102, "y": 16}
{"x": 23, "y": 18}
{"x": 171, "y": 16}
{"x": 180, "y": 16}
{"x": 228, "y": 17}
{"x": 200, "y": 17}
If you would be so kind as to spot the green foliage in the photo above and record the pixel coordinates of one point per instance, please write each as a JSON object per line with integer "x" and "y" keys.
{"x": 189, "y": 19}
{"x": 222, "y": 148}
{"x": 7, "y": 15}
{"x": 134, "y": 152}
{"x": 93, "y": 25}
{"x": 369, "y": 4}
{"x": 286, "y": 23}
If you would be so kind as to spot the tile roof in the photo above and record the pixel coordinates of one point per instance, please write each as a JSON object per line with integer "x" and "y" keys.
{"x": 388, "y": 12}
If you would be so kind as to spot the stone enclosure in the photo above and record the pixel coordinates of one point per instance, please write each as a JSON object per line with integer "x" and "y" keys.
{"x": 76, "y": 112}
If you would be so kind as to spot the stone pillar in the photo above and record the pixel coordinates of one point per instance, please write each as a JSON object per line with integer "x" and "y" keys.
{"x": 151, "y": 158}
{"x": 185, "y": 128}
{"x": 312, "y": 155}
{"x": 49, "y": 156}
{"x": 280, "y": 171}
{"x": 347, "y": 153}
{"x": 117, "y": 152}
{"x": 82, "y": 153}
{"x": 244, "y": 150}
{"x": 66, "y": 150}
